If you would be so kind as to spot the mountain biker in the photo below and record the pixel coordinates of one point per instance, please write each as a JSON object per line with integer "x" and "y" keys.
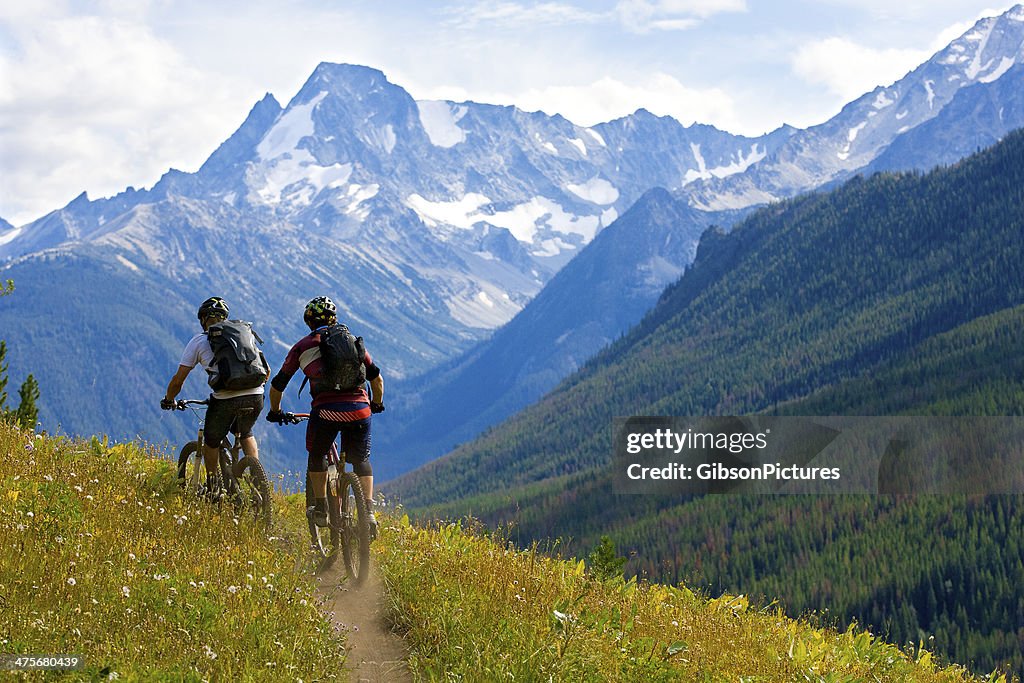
{"x": 346, "y": 412}
{"x": 240, "y": 406}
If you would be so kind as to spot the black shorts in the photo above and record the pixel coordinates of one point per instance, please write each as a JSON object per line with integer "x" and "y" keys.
{"x": 236, "y": 415}
{"x": 355, "y": 438}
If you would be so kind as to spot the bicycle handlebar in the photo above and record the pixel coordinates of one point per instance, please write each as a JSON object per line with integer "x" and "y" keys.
{"x": 181, "y": 404}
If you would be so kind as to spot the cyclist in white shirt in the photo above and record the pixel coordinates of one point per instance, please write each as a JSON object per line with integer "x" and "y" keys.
{"x": 239, "y": 407}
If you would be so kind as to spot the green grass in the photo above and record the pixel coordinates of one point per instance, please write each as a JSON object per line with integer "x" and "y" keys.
{"x": 477, "y": 608}
{"x": 100, "y": 556}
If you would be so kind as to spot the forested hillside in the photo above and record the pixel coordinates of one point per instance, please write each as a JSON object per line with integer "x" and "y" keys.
{"x": 896, "y": 294}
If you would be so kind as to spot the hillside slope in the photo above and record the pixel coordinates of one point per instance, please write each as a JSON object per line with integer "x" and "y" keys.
{"x": 594, "y": 299}
{"x": 112, "y": 565}
{"x": 895, "y": 294}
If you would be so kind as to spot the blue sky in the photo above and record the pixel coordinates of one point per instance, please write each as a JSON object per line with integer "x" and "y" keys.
{"x": 99, "y": 95}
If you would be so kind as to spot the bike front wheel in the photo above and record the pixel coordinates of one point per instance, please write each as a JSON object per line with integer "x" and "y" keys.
{"x": 355, "y": 528}
{"x": 252, "y": 489}
{"x": 191, "y": 470}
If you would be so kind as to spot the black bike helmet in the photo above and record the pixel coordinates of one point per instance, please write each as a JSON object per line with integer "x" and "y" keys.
{"x": 213, "y": 307}
{"x": 320, "y": 311}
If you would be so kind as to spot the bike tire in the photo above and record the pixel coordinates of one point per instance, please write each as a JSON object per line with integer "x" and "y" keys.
{"x": 191, "y": 470}
{"x": 355, "y": 528}
{"x": 325, "y": 541}
{"x": 252, "y": 488}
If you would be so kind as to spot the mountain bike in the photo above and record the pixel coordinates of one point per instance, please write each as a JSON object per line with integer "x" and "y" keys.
{"x": 244, "y": 478}
{"x": 348, "y": 527}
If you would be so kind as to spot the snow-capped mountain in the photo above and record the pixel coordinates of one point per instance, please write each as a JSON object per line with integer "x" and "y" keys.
{"x": 976, "y": 62}
{"x": 462, "y": 211}
{"x": 432, "y": 223}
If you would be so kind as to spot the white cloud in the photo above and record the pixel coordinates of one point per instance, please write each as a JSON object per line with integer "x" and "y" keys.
{"x": 849, "y": 69}
{"x": 512, "y": 15}
{"x": 84, "y": 104}
{"x": 642, "y": 16}
{"x": 609, "y": 98}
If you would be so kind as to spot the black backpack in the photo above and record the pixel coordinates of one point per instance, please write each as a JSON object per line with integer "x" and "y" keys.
{"x": 343, "y": 357}
{"x": 238, "y": 362}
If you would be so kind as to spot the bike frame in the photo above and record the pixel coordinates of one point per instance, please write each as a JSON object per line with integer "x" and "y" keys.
{"x": 241, "y": 476}
{"x": 231, "y": 445}
{"x": 347, "y": 525}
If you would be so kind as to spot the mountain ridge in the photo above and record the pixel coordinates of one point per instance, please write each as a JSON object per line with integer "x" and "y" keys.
{"x": 429, "y": 244}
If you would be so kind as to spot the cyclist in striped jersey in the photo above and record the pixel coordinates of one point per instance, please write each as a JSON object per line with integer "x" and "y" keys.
{"x": 333, "y": 412}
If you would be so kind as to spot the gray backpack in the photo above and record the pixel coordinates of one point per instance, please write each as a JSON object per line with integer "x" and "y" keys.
{"x": 238, "y": 362}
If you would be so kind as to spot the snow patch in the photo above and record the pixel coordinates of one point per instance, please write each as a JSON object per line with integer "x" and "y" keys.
{"x": 295, "y": 179}
{"x": 551, "y": 247}
{"x": 291, "y": 127}
{"x": 608, "y": 216}
{"x": 550, "y": 148}
{"x": 289, "y": 174}
{"x": 902, "y": 115}
{"x": 931, "y": 93}
{"x": 981, "y": 37}
{"x": 596, "y": 191}
{"x": 523, "y": 220}
{"x": 127, "y": 264}
{"x": 357, "y": 194}
{"x": 460, "y": 213}
{"x": 487, "y": 307}
{"x": 1003, "y": 67}
{"x": 387, "y": 139}
{"x": 739, "y": 164}
{"x": 440, "y": 121}
{"x": 597, "y": 136}
{"x": 10, "y": 235}
{"x": 579, "y": 145}
{"x": 882, "y": 100}
{"x": 851, "y": 135}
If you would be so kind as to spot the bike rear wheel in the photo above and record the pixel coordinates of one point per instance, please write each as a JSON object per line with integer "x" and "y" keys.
{"x": 355, "y": 528}
{"x": 251, "y": 489}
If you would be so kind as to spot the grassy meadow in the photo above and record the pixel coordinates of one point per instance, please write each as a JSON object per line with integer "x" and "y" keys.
{"x": 102, "y": 557}
{"x": 474, "y": 607}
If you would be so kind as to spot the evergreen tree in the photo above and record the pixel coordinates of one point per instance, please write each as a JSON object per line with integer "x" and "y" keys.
{"x": 605, "y": 561}
{"x": 27, "y": 413}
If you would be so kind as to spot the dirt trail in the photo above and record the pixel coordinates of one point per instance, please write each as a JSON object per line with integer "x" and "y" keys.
{"x": 375, "y": 653}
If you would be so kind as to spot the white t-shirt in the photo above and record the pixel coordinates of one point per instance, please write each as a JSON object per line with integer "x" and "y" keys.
{"x": 198, "y": 351}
